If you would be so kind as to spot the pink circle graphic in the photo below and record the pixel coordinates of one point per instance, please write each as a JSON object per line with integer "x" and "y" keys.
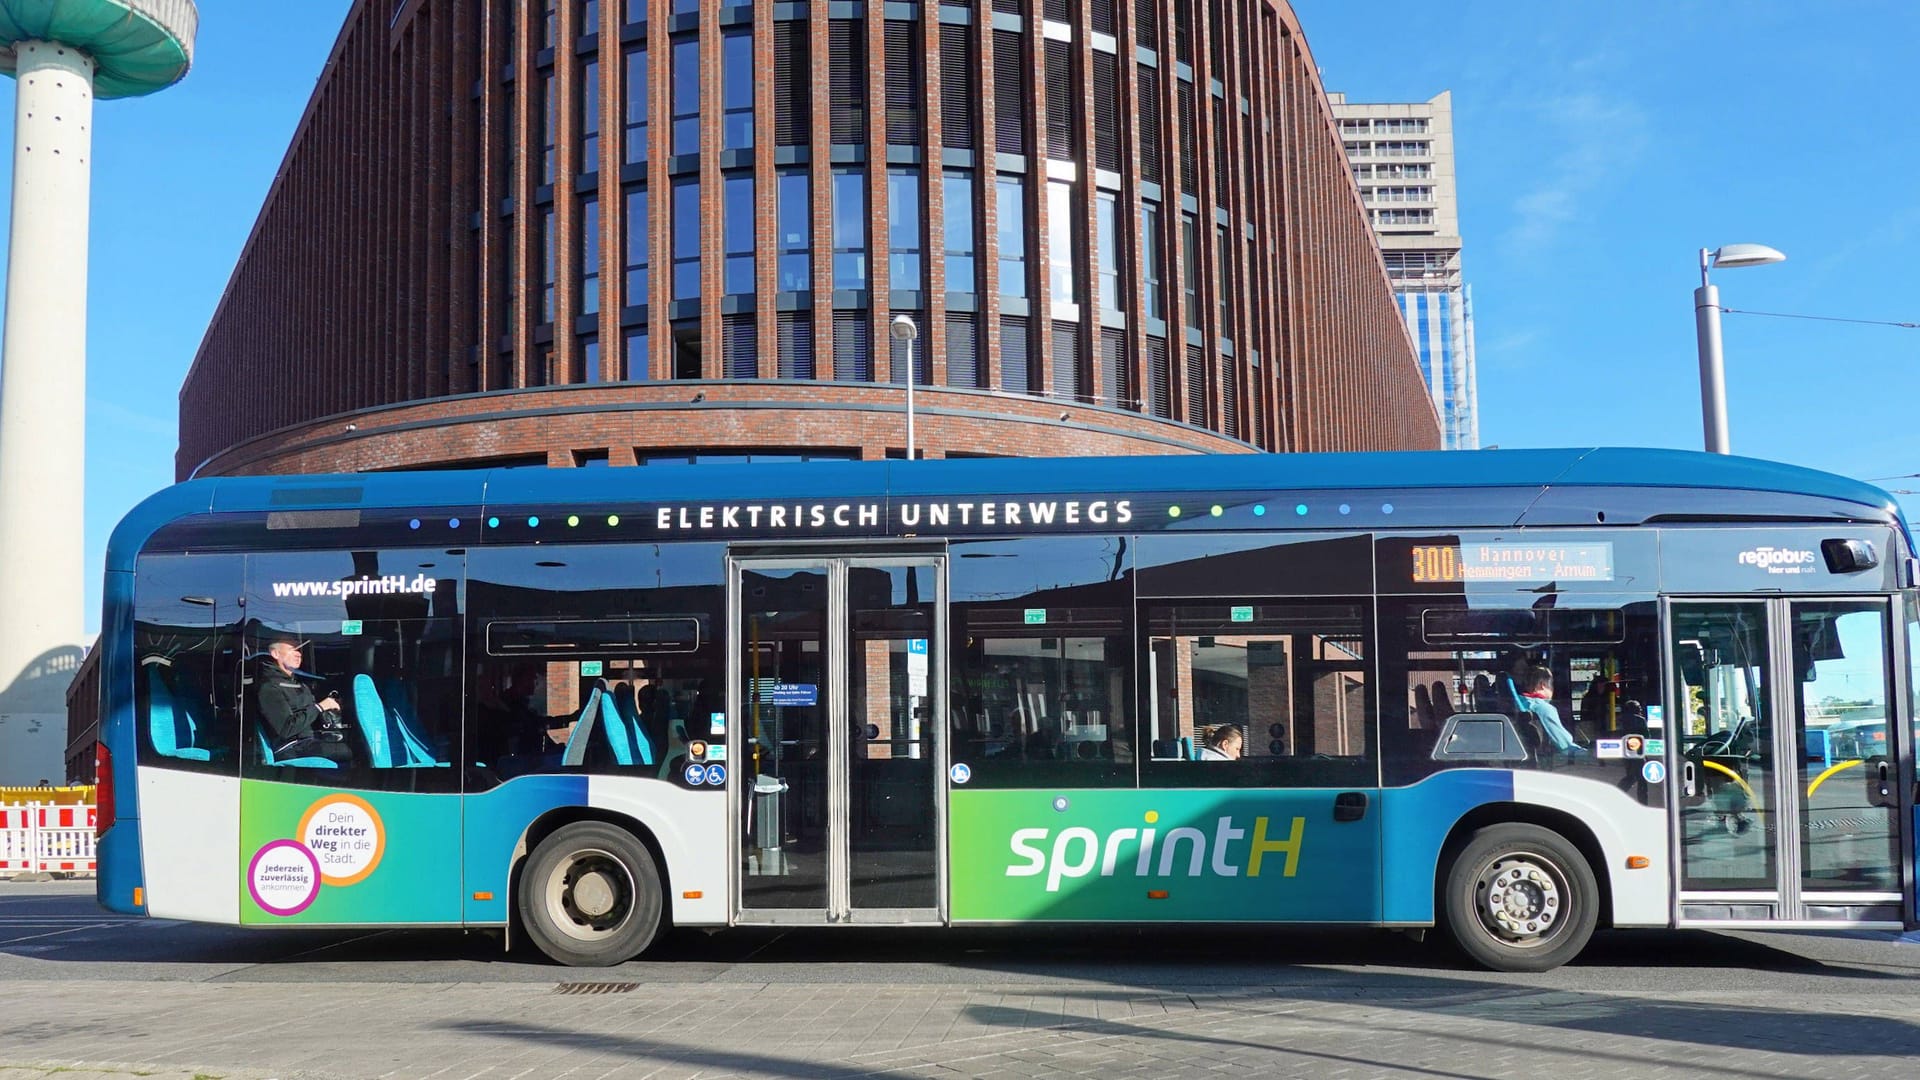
{"x": 286, "y": 860}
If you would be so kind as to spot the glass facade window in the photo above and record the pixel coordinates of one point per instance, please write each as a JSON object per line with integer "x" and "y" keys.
{"x": 589, "y": 256}
{"x": 686, "y": 349}
{"x": 1011, "y": 213}
{"x": 686, "y": 96}
{"x": 796, "y": 233}
{"x": 1223, "y": 280}
{"x": 590, "y": 360}
{"x": 1060, "y": 241}
{"x": 686, "y": 240}
{"x": 1107, "y": 238}
{"x": 590, "y": 117}
{"x": 547, "y": 267}
{"x": 549, "y": 101}
{"x": 903, "y": 229}
{"x": 739, "y": 235}
{"x": 736, "y": 131}
{"x": 962, "y": 277}
{"x": 1190, "y": 268}
{"x": 636, "y": 11}
{"x": 849, "y": 229}
{"x": 637, "y": 103}
{"x": 589, "y": 18}
{"x": 636, "y": 244}
{"x": 637, "y": 362}
{"x": 1152, "y": 263}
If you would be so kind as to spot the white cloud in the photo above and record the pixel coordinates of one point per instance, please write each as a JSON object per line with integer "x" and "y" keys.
{"x": 1591, "y": 140}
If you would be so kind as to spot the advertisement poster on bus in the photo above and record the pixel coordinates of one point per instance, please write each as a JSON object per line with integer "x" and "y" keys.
{"x": 1125, "y": 855}
{"x": 315, "y": 855}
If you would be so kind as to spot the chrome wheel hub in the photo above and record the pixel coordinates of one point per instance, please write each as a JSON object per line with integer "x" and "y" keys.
{"x": 1522, "y": 898}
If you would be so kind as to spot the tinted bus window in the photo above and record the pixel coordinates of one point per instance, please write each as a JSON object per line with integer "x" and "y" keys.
{"x": 187, "y": 616}
{"x": 351, "y": 674}
{"x": 1268, "y": 694}
{"x": 1554, "y": 682}
{"x": 594, "y": 658}
{"x": 1041, "y": 662}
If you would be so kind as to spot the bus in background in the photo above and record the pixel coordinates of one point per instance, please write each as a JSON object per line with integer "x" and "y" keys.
{"x": 1514, "y": 695}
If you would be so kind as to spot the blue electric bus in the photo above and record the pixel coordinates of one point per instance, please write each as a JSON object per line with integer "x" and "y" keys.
{"x": 1513, "y": 695}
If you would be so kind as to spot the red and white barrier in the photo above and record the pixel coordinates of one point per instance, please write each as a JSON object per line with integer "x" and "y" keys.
{"x": 47, "y": 839}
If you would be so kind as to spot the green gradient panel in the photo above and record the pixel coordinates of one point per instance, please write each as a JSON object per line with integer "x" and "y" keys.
{"x": 416, "y": 879}
{"x": 1219, "y": 856}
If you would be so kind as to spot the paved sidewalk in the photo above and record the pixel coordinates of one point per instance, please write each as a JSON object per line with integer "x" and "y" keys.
{"x": 1424, "y": 1026}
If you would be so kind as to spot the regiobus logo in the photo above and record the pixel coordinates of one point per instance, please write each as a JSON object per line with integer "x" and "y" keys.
{"x": 1778, "y": 560}
{"x": 1075, "y": 852}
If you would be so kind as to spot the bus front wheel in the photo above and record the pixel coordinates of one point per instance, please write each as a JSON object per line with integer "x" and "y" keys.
{"x": 1521, "y": 898}
{"x": 590, "y": 895}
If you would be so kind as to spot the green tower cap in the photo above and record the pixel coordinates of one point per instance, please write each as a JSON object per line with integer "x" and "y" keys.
{"x": 137, "y": 46}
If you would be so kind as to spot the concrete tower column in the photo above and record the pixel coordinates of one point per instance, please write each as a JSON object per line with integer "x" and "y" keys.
{"x": 62, "y": 54}
{"x": 43, "y": 384}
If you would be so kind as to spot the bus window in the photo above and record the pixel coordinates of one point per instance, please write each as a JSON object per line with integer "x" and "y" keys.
{"x": 593, "y": 658}
{"x": 1577, "y": 687}
{"x": 1273, "y": 694}
{"x": 1041, "y": 663}
{"x": 186, "y": 648}
{"x": 351, "y": 673}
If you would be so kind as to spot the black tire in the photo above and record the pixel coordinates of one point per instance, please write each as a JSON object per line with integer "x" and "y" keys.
{"x": 590, "y": 895}
{"x": 1520, "y": 898}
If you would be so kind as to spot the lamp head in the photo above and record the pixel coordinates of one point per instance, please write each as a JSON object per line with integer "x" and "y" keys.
{"x": 1734, "y": 256}
{"x": 903, "y": 329}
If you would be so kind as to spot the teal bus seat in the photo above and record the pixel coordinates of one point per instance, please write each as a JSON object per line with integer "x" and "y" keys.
{"x": 169, "y": 725}
{"x": 626, "y": 704}
{"x": 619, "y": 739}
{"x": 583, "y": 727}
{"x": 266, "y": 757}
{"x": 391, "y": 743}
{"x": 409, "y": 745}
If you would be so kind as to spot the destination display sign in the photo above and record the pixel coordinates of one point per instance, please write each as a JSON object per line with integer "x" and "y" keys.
{"x": 1466, "y": 563}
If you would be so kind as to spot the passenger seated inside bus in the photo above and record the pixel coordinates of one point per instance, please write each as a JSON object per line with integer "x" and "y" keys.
{"x": 1535, "y": 685}
{"x": 1222, "y": 743}
{"x": 294, "y": 724}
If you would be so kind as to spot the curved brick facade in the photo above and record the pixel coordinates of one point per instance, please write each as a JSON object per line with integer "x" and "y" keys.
{"x": 509, "y": 230}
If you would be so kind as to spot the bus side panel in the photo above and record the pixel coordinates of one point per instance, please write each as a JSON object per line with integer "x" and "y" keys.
{"x": 1189, "y": 854}
{"x": 189, "y": 832}
{"x": 496, "y": 819}
{"x": 1623, "y": 827}
{"x": 1416, "y": 820}
{"x": 322, "y": 856}
{"x": 691, "y": 826}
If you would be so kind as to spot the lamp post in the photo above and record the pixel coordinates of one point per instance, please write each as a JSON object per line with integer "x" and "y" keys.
{"x": 1706, "y": 318}
{"x": 906, "y": 330}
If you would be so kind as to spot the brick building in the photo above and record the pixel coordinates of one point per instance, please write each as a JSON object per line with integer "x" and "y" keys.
{"x": 652, "y": 231}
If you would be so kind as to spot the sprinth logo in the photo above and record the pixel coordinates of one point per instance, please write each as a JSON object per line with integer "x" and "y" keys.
{"x": 1776, "y": 560}
{"x": 1076, "y": 851}
{"x": 391, "y": 584}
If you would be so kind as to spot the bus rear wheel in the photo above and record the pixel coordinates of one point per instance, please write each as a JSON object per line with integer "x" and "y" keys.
{"x": 1520, "y": 898}
{"x": 590, "y": 895}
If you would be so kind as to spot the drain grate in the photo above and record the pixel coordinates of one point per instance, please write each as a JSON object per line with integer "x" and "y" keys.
{"x": 596, "y": 988}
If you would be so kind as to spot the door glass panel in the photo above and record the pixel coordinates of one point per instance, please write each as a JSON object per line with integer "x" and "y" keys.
{"x": 1847, "y": 836}
{"x": 784, "y": 691}
{"x": 891, "y": 730}
{"x": 1727, "y": 813}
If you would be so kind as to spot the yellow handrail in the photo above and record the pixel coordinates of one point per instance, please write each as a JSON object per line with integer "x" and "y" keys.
{"x": 1735, "y": 775}
{"x": 1822, "y": 778}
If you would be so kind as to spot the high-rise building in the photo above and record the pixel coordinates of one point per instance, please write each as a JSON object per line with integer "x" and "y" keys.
{"x": 1402, "y": 158}
{"x": 651, "y": 232}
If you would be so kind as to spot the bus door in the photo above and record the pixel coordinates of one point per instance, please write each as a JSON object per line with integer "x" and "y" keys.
{"x": 835, "y": 728}
{"x": 1783, "y": 749}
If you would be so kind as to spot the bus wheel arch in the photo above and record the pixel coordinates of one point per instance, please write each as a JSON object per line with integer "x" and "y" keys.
{"x": 1546, "y": 859}
{"x": 613, "y": 857}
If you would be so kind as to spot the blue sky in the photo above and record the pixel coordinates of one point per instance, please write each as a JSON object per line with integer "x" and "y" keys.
{"x": 1599, "y": 146}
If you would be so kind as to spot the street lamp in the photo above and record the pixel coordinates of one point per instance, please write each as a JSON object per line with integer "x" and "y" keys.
{"x": 1706, "y": 317}
{"x": 904, "y": 329}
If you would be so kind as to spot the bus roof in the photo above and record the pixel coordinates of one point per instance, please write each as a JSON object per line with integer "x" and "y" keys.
{"x": 1514, "y": 488}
